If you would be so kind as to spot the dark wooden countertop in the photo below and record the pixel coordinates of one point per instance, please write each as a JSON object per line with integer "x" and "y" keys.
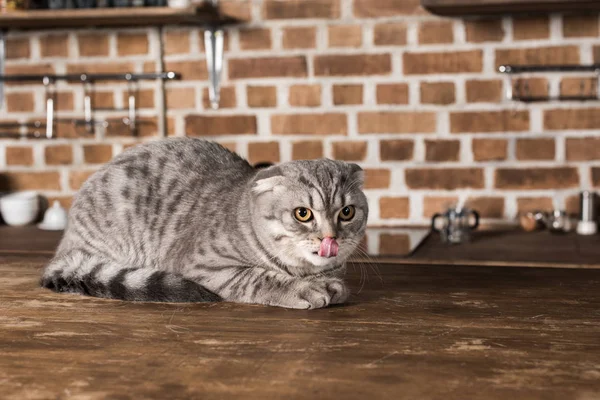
{"x": 414, "y": 332}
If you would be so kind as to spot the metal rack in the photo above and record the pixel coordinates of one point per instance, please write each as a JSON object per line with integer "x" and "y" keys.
{"x": 88, "y": 120}
{"x": 520, "y": 91}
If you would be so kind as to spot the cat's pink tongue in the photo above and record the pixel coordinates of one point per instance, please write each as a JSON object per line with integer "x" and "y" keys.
{"x": 329, "y": 247}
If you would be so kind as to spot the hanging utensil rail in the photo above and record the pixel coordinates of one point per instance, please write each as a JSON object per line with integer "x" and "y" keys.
{"x": 520, "y": 90}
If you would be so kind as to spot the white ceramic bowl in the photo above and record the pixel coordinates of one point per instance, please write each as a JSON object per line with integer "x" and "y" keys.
{"x": 20, "y": 208}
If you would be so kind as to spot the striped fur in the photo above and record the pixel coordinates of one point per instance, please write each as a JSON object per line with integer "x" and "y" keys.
{"x": 185, "y": 220}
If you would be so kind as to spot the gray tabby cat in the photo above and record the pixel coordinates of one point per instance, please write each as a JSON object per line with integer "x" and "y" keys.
{"x": 187, "y": 220}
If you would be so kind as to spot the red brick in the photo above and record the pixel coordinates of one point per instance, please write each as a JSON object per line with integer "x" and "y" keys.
{"x": 570, "y": 118}
{"x": 307, "y": 150}
{"x": 296, "y": 9}
{"x": 305, "y": 95}
{"x": 441, "y": 93}
{"x": 97, "y": 153}
{"x": 237, "y": 10}
{"x": 63, "y": 101}
{"x": 490, "y": 149}
{"x": 15, "y": 181}
{"x": 54, "y": 45}
{"x": 189, "y": 70}
{"x": 227, "y": 98}
{"x": 386, "y": 8}
{"x": 396, "y": 150}
{"x": 377, "y": 178}
{"x": 536, "y": 149}
{"x": 579, "y": 86}
{"x": 484, "y": 91}
{"x": 434, "y": 205}
{"x": 536, "y": 178}
{"x": 20, "y": 102}
{"x": 19, "y": 155}
{"x": 180, "y": 98}
{"x": 390, "y": 34}
{"x": 595, "y": 173}
{"x": 267, "y": 67}
{"x": 100, "y": 68}
{"x": 436, "y": 32}
{"x": 347, "y": 94}
{"x": 102, "y": 99}
{"x": 58, "y": 155}
{"x": 263, "y": 152}
{"x": 255, "y": 39}
{"x": 394, "y": 207}
{"x": 487, "y": 207}
{"x": 17, "y": 47}
{"x": 129, "y": 44}
{"x": 396, "y": 122}
{"x": 538, "y": 56}
{"x": 534, "y": 87}
{"x": 531, "y": 28}
{"x": 392, "y": 93}
{"x": 345, "y": 35}
{"x": 177, "y": 42}
{"x": 309, "y": 124}
{"x": 489, "y": 121}
{"x": 299, "y": 37}
{"x": 35, "y": 69}
{"x": 527, "y": 204}
{"x": 479, "y": 31}
{"x": 216, "y": 125}
{"x": 349, "y": 151}
{"x": 442, "y": 150}
{"x": 580, "y": 25}
{"x": 262, "y": 96}
{"x": 93, "y": 44}
{"x": 446, "y": 178}
{"x": 583, "y": 149}
{"x": 77, "y": 178}
{"x": 144, "y": 98}
{"x": 443, "y": 62}
{"x": 354, "y": 64}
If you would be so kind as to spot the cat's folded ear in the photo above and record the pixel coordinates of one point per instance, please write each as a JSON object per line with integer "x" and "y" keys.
{"x": 266, "y": 180}
{"x": 357, "y": 175}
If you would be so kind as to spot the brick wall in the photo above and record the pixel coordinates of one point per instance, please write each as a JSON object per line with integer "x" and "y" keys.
{"x": 414, "y": 98}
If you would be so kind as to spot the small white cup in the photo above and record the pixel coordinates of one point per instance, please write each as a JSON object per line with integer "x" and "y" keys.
{"x": 21, "y": 208}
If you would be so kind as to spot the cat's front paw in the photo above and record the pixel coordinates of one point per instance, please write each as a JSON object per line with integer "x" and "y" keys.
{"x": 320, "y": 293}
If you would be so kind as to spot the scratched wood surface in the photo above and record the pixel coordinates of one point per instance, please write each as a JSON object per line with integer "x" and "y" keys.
{"x": 419, "y": 332}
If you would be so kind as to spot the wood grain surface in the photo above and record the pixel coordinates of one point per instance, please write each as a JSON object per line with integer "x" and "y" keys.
{"x": 417, "y": 332}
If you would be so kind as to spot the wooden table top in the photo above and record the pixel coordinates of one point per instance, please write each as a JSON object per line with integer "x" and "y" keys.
{"x": 414, "y": 332}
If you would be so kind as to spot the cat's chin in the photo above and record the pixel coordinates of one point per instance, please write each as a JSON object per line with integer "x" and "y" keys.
{"x": 321, "y": 262}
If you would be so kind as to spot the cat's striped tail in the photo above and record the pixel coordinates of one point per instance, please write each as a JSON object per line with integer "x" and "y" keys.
{"x": 81, "y": 272}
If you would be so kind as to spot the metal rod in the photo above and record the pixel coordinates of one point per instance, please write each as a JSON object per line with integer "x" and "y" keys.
{"x": 534, "y": 99}
{"x": 519, "y": 69}
{"x": 131, "y": 106}
{"x": 49, "y": 110}
{"x": 89, "y": 77}
{"x": 87, "y": 112}
{"x": 213, "y": 44}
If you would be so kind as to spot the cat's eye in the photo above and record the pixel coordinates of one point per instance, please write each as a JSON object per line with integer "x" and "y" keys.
{"x": 303, "y": 214}
{"x": 347, "y": 213}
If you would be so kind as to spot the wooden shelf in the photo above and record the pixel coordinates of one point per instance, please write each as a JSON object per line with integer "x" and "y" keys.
{"x": 488, "y": 7}
{"x": 115, "y": 17}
